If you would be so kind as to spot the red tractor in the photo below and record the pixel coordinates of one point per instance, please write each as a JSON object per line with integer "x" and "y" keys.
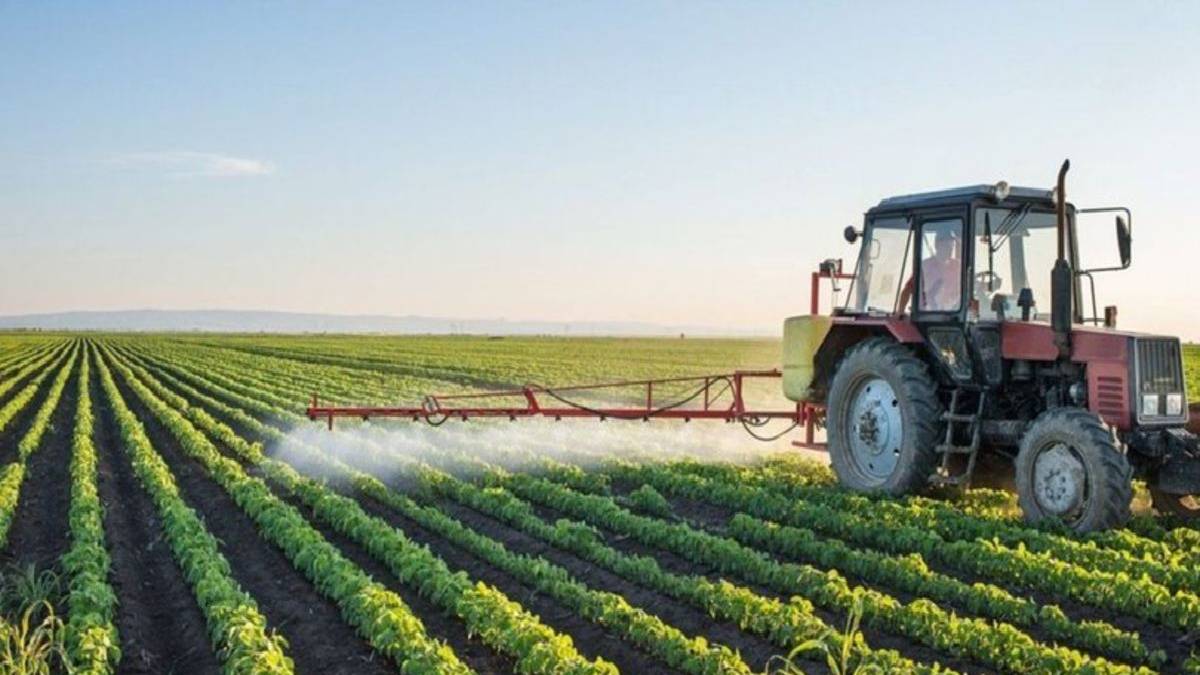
{"x": 964, "y": 331}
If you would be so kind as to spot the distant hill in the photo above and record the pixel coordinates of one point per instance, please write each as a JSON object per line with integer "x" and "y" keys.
{"x": 236, "y": 321}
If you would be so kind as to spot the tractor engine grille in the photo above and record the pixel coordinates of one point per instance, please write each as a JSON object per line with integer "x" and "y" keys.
{"x": 1159, "y": 371}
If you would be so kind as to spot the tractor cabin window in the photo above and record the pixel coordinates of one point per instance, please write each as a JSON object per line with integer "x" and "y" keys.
{"x": 1015, "y": 250}
{"x": 941, "y": 265}
{"x": 883, "y": 265}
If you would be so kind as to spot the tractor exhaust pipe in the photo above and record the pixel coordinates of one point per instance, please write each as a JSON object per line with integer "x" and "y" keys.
{"x": 1062, "y": 278}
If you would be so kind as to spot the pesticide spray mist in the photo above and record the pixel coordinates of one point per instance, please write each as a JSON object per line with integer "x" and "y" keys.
{"x": 393, "y": 448}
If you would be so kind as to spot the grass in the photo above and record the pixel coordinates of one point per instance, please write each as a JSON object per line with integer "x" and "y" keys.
{"x": 32, "y": 635}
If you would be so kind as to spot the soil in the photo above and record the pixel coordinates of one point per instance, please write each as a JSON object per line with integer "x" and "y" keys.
{"x": 161, "y": 628}
{"x": 755, "y": 651}
{"x": 12, "y": 433}
{"x": 438, "y": 623}
{"x": 39, "y": 534}
{"x": 837, "y": 620}
{"x": 590, "y": 639}
{"x": 713, "y": 518}
{"x": 319, "y": 640}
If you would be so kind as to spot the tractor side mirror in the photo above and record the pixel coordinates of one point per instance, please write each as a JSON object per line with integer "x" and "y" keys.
{"x": 850, "y": 234}
{"x": 1124, "y": 242}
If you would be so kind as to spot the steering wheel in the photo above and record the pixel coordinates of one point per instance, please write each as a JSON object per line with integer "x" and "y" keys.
{"x": 989, "y": 281}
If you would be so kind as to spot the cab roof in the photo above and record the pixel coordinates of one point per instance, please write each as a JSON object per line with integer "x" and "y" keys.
{"x": 961, "y": 195}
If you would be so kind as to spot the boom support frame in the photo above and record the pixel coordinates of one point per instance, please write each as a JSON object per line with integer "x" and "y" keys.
{"x": 707, "y": 401}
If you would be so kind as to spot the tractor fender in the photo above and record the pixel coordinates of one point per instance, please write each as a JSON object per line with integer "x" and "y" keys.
{"x": 841, "y": 337}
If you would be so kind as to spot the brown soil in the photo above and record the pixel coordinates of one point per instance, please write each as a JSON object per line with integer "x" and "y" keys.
{"x": 590, "y": 639}
{"x": 39, "y": 534}
{"x": 755, "y": 651}
{"x": 439, "y": 623}
{"x": 713, "y": 518}
{"x": 161, "y": 628}
{"x": 11, "y": 435}
{"x": 837, "y": 620}
{"x": 319, "y": 640}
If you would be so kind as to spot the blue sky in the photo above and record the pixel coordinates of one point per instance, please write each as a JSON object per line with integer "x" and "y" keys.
{"x": 673, "y": 162}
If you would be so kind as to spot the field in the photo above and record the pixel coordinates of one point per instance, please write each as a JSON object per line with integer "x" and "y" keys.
{"x": 165, "y": 507}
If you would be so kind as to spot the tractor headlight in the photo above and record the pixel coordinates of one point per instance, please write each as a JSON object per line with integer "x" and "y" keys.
{"x": 1174, "y": 405}
{"x": 1149, "y": 404}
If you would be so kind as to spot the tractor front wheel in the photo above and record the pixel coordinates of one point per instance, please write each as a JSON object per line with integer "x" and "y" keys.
{"x": 1069, "y": 468}
{"x": 882, "y": 419}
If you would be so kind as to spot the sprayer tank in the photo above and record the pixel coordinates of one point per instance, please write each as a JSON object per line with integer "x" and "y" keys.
{"x": 802, "y": 337}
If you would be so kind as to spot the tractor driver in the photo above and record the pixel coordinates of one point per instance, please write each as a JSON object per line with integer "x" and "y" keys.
{"x": 941, "y": 272}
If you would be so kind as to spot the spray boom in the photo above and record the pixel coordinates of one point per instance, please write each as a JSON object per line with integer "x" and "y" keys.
{"x": 713, "y": 397}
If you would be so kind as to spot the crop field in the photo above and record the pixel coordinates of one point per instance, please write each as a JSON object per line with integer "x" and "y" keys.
{"x": 165, "y": 507}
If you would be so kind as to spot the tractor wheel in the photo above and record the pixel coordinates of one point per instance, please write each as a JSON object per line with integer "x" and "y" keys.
{"x": 1069, "y": 468}
{"x": 1184, "y": 507}
{"x": 883, "y": 419}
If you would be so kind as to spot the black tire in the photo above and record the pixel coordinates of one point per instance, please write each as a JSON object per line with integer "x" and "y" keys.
{"x": 1088, "y": 481}
{"x": 914, "y": 457}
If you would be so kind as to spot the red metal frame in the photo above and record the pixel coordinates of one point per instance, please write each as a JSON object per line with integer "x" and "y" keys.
{"x": 710, "y": 392}
{"x": 831, "y": 270}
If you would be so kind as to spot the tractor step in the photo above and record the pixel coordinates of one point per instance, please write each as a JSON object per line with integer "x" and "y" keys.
{"x": 974, "y": 421}
{"x": 955, "y": 449}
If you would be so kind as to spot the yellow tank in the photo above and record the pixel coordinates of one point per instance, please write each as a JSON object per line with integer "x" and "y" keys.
{"x": 802, "y": 337}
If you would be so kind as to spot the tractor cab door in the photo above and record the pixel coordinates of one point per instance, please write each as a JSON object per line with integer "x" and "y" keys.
{"x": 943, "y": 309}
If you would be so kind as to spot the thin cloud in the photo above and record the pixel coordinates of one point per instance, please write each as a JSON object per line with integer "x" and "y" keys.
{"x": 189, "y": 164}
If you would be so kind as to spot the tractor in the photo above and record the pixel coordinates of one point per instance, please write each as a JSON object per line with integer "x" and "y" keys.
{"x": 964, "y": 333}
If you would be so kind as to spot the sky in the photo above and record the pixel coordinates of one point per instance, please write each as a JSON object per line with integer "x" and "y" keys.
{"x": 672, "y": 162}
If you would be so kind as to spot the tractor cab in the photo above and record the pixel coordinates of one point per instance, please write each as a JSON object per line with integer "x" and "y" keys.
{"x": 978, "y": 253}
{"x": 970, "y": 253}
{"x": 966, "y": 326}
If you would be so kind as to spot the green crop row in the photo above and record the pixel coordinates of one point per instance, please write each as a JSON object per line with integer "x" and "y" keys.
{"x": 1134, "y": 556}
{"x": 905, "y": 572}
{"x": 21, "y": 399}
{"x": 606, "y": 609}
{"x": 790, "y": 624}
{"x": 693, "y": 655}
{"x": 92, "y": 640}
{"x": 908, "y": 573}
{"x": 13, "y": 475}
{"x": 37, "y": 365}
{"x": 236, "y": 628}
{"x": 996, "y": 645}
{"x": 378, "y": 614}
{"x": 500, "y": 622}
{"x": 1137, "y": 596}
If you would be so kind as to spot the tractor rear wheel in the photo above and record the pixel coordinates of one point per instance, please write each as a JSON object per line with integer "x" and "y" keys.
{"x": 1069, "y": 468}
{"x": 883, "y": 417}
